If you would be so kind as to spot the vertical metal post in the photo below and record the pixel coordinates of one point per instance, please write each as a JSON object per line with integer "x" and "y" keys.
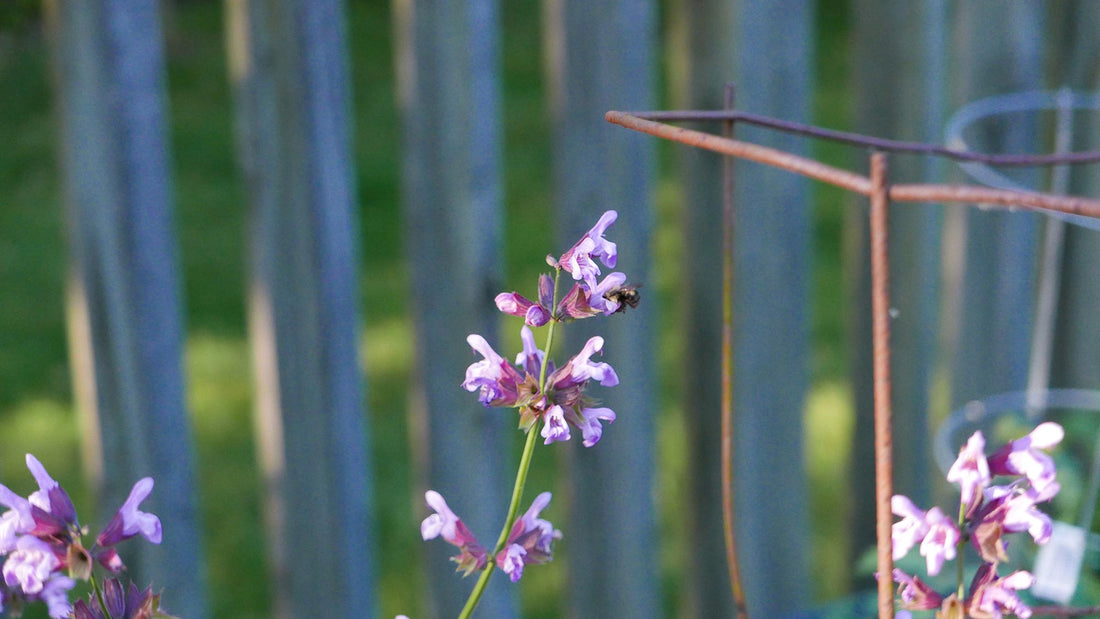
{"x": 727, "y": 366}
{"x": 880, "y": 325}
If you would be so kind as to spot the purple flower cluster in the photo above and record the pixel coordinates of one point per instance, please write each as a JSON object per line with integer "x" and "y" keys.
{"x": 444, "y": 523}
{"x": 588, "y": 297}
{"x": 544, "y": 394}
{"x": 42, "y": 548}
{"x": 987, "y": 513}
{"x": 560, "y": 404}
{"x": 559, "y": 400}
{"x": 528, "y": 542}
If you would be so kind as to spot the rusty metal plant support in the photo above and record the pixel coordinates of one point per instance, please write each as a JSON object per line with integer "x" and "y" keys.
{"x": 881, "y": 194}
{"x": 880, "y": 336}
{"x": 728, "y": 223}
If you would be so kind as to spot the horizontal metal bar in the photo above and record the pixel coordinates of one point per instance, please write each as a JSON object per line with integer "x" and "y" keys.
{"x": 866, "y": 141}
{"x": 745, "y": 150}
{"x": 968, "y": 194}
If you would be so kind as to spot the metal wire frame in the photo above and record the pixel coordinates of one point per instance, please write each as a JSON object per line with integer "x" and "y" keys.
{"x": 880, "y": 192}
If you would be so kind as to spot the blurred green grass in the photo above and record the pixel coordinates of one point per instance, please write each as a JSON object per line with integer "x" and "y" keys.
{"x": 35, "y": 395}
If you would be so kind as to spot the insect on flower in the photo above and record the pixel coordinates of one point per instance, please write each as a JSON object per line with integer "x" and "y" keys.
{"x": 625, "y": 295}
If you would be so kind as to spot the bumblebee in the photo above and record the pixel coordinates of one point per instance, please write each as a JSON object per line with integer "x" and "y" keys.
{"x": 625, "y": 295}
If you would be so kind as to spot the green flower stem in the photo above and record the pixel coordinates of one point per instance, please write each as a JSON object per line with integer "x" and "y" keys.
{"x": 513, "y": 508}
{"x": 521, "y": 478}
{"x": 959, "y": 552}
{"x": 99, "y": 595}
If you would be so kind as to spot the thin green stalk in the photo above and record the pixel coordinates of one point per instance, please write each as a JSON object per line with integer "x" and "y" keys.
{"x": 521, "y": 478}
{"x": 99, "y": 595}
{"x": 959, "y": 552}
{"x": 517, "y": 494}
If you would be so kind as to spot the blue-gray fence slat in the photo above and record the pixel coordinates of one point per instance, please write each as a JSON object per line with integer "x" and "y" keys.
{"x": 708, "y": 29}
{"x": 449, "y": 85}
{"x": 998, "y": 285}
{"x": 110, "y": 81}
{"x": 291, "y": 81}
{"x": 771, "y": 313}
{"x": 901, "y": 94}
{"x": 604, "y": 60}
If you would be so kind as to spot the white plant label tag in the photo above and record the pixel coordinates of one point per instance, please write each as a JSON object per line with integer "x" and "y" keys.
{"x": 1058, "y": 565}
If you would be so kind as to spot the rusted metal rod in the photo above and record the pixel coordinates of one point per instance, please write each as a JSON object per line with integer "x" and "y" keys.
{"x": 745, "y": 150}
{"x": 972, "y": 194}
{"x": 851, "y": 181}
{"x": 728, "y": 515}
{"x": 880, "y": 333}
{"x": 866, "y": 141}
{"x": 1064, "y": 611}
{"x": 880, "y": 194}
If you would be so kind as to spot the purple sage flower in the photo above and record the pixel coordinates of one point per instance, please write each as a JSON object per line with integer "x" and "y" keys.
{"x": 555, "y": 427}
{"x": 574, "y": 304}
{"x": 532, "y": 358}
{"x": 515, "y": 304}
{"x": 1024, "y": 456}
{"x": 29, "y": 566}
{"x": 493, "y": 377}
{"x": 41, "y": 497}
{"x": 57, "y": 514}
{"x": 444, "y": 523}
{"x": 912, "y": 527}
{"x": 55, "y": 593}
{"x": 915, "y": 593}
{"x": 16, "y": 521}
{"x": 511, "y": 561}
{"x": 971, "y": 472}
{"x": 579, "y": 260}
{"x": 529, "y": 542}
{"x": 582, "y": 369}
{"x": 129, "y": 521}
{"x": 589, "y": 424}
{"x": 940, "y": 541}
{"x": 566, "y": 392}
{"x": 992, "y": 597}
{"x": 1015, "y": 509}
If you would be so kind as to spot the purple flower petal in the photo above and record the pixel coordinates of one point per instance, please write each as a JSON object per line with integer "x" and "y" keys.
{"x": 591, "y": 429}
{"x": 555, "y": 428}
{"x": 912, "y": 527}
{"x": 999, "y": 595}
{"x": 510, "y": 561}
{"x": 129, "y": 521}
{"x": 40, "y": 498}
{"x": 531, "y": 358}
{"x": 494, "y": 378}
{"x": 583, "y": 369}
{"x": 55, "y": 593}
{"x": 442, "y": 522}
{"x": 515, "y": 304}
{"x": 915, "y": 593}
{"x": 29, "y": 566}
{"x": 579, "y": 259}
{"x": 940, "y": 542}
{"x": 1023, "y": 457}
{"x": 14, "y": 522}
{"x": 971, "y": 472}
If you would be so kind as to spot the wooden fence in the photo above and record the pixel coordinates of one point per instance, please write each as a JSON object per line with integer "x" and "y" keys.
{"x": 289, "y": 70}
